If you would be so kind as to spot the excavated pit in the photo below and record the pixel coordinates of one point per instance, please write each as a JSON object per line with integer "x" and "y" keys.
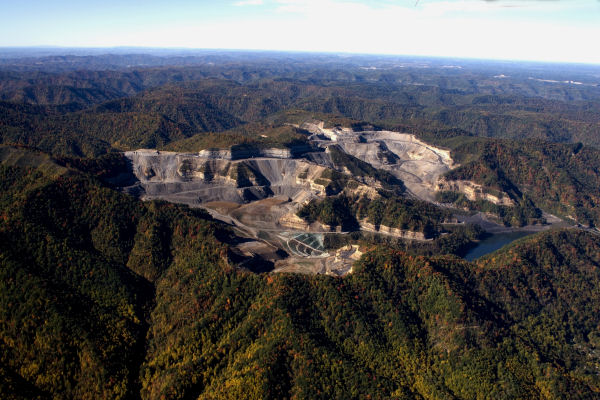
{"x": 260, "y": 194}
{"x": 418, "y": 164}
{"x": 194, "y": 180}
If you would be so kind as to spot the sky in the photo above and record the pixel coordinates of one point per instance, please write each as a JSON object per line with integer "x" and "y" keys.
{"x": 539, "y": 30}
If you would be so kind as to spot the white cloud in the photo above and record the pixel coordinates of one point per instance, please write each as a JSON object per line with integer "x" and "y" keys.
{"x": 441, "y": 28}
{"x": 242, "y": 3}
{"x": 493, "y": 6}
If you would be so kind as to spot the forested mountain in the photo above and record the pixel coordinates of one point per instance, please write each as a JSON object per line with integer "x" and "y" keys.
{"x": 78, "y": 266}
{"x": 343, "y": 211}
{"x": 210, "y": 93}
{"x": 103, "y": 295}
{"x": 561, "y": 178}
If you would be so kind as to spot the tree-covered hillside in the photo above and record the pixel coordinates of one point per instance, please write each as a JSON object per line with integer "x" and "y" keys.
{"x": 559, "y": 178}
{"x": 156, "y": 100}
{"x": 107, "y": 297}
{"x": 78, "y": 265}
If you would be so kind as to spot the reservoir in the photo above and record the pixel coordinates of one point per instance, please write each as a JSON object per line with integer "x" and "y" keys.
{"x": 493, "y": 243}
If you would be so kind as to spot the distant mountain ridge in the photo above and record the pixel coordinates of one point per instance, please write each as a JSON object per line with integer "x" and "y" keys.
{"x": 419, "y": 94}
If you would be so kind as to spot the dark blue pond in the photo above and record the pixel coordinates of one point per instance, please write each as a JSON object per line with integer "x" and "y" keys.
{"x": 493, "y": 243}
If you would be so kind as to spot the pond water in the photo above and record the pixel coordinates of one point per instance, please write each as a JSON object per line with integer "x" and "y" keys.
{"x": 493, "y": 243}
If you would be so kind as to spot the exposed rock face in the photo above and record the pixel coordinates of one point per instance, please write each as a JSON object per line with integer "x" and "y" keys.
{"x": 277, "y": 153}
{"x": 194, "y": 179}
{"x": 418, "y": 164}
{"x": 293, "y": 221}
{"x": 243, "y": 152}
{"x": 404, "y": 234}
{"x": 474, "y": 191}
{"x": 215, "y": 154}
{"x": 245, "y": 173}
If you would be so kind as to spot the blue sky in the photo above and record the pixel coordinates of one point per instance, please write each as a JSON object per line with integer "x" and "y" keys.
{"x": 542, "y": 30}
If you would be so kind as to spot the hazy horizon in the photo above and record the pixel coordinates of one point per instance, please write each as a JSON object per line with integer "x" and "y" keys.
{"x": 512, "y": 30}
{"x": 17, "y": 52}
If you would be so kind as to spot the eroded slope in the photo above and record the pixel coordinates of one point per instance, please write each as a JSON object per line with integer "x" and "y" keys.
{"x": 418, "y": 164}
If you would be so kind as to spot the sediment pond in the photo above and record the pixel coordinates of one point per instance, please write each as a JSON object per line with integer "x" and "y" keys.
{"x": 493, "y": 243}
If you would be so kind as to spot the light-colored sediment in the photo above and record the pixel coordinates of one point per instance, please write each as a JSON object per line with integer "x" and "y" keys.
{"x": 192, "y": 179}
{"x": 259, "y": 193}
{"x": 337, "y": 264}
{"x": 418, "y": 164}
{"x": 474, "y": 191}
{"x": 386, "y": 230}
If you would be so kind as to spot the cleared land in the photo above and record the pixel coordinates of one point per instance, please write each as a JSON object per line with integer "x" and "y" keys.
{"x": 259, "y": 196}
{"x": 418, "y": 164}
